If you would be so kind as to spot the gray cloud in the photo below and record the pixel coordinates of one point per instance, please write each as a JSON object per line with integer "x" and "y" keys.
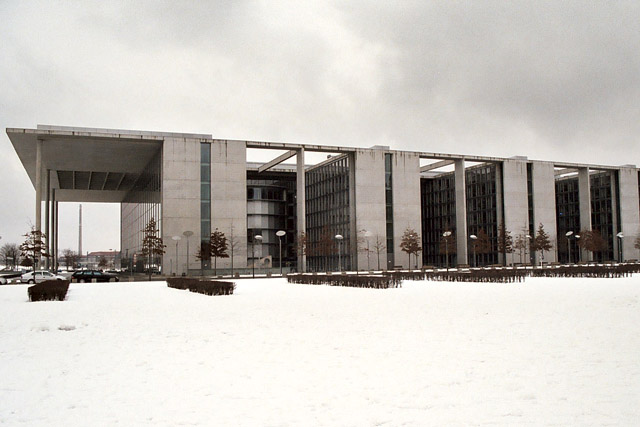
{"x": 543, "y": 79}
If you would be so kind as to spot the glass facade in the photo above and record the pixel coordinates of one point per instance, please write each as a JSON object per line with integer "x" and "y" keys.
{"x": 327, "y": 215}
{"x": 271, "y": 206}
{"x": 438, "y": 200}
{"x": 205, "y": 198}
{"x": 142, "y": 203}
{"x": 602, "y": 211}
{"x": 388, "y": 200}
{"x": 567, "y": 218}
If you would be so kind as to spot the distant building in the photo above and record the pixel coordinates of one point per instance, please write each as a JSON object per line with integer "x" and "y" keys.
{"x": 193, "y": 184}
{"x": 92, "y": 260}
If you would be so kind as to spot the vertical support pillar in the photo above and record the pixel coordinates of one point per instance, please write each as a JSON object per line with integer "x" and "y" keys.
{"x": 38, "y": 191}
{"x": 584, "y": 197}
{"x": 55, "y": 228}
{"x": 353, "y": 225}
{"x": 47, "y": 216}
{"x": 629, "y": 212}
{"x": 300, "y": 204}
{"x": 461, "y": 212}
{"x": 500, "y": 207}
{"x": 614, "y": 213}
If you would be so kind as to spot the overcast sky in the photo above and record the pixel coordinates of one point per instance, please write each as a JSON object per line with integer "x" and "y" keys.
{"x": 548, "y": 80}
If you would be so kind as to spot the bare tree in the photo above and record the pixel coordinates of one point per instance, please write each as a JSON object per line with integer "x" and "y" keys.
{"x": 10, "y": 253}
{"x": 102, "y": 263}
{"x": 505, "y": 243}
{"x": 592, "y": 241}
{"x": 301, "y": 248}
{"x": 34, "y": 247}
{"x": 378, "y": 247}
{"x": 410, "y": 243}
{"x": 71, "y": 258}
{"x": 637, "y": 244}
{"x": 151, "y": 243}
{"x": 234, "y": 244}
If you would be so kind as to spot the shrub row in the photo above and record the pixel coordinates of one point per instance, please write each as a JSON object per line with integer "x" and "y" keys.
{"x": 207, "y": 287}
{"x": 599, "y": 271}
{"x": 49, "y": 290}
{"x": 486, "y": 276}
{"x": 357, "y": 281}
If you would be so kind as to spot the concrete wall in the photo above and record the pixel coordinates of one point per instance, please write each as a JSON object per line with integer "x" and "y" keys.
{"x": 229, "y": 197}
{"x": 514, "y": 196}
{"x": 629, "y": 211}
{"x": 180, "y": 201}
{"x": 406, "y": 203}
{"x": 544, "y": 206}
{"x": 370, "y": 203}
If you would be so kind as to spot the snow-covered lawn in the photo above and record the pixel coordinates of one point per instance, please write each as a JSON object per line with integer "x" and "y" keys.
{"x": 545, "y": 352}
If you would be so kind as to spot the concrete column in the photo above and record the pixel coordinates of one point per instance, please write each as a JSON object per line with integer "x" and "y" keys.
{"x": 354, "y": 231}
{"x": 300, "y": 204}
{"x": 614, "y": 212}
{"x": 544, "y": 206}
{"x": 584, "y": 197}
{"x": 55, "y": 227}
{"x": 461, "y": 212}
{"x": 38, "y": 191}
{"x": 629, "y": 212}
{"x": 514, "y": 196}
{"x": 406, "y": 203}
{"x": 47, "y": 216}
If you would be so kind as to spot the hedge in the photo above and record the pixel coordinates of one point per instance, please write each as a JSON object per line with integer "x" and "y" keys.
{"x": 357, "y": 281}
{"x": 49, "y": 290}
{"x": 207, "y": 287}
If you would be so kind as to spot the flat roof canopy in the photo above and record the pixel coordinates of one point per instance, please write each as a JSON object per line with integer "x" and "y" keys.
{"x": 86, "y": 166}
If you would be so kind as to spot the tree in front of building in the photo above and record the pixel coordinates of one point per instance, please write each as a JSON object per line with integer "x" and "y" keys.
{"x": 541, "y": 243}
{"x": 324, "y": 248}
{"x": 300, "y": 248}
{"x": 379, "y": 247}
{"x": 447, "y": 246}
{"x": 592, "y": 241}
{"x": 10, "y": 253}
{"x": 410, "y": 243}
{"x": 218, "y": 247}
{"x": 480, "y": 245}
{"x": 102, "y": 262}
{"x": 34, "y": 247}
{"x": 234, "y": 245}
{"x": 505, "y": 243}
{"x": 71, "y": 258}
{"x": 152, "y": 245}
{"x": 637, "y": 244}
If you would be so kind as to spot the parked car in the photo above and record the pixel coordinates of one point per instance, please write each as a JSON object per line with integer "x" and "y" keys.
{"x": 99, "y": 276}
{"x": 39, "y": 276}
{"x": 3, "y": 281}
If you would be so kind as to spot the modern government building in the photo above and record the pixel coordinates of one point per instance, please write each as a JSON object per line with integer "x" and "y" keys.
{"x": 353, "y": 205}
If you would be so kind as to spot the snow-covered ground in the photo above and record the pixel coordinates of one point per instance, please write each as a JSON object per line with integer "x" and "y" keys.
{"x": 545, "y": 352}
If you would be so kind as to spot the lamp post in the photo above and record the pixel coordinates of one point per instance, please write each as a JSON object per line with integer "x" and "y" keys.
{"x": 176, "y": 239}
{"x": 253, "y": 256}
{"x": 620, "y": 236}
{"x": 473, "y": 237}
{"x": 187, "y": 234}
{"x": 579, "y": 248}
{"x": 339, "y": 239}
{"x": 446, "y": 235}
{"x": 368, "y": 234}
{"x": 280, "y": 233}
{"x": 569, "y": 234}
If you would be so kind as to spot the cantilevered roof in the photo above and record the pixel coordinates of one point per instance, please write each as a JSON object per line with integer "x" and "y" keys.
{"x": 87, "y": 165}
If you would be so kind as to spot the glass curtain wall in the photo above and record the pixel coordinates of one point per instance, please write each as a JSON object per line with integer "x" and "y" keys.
{"x": 567, "y": 218}
{"x": 141, "y": 204}
{"x": 327, "y": 215}
{"x": 205, "y": 202}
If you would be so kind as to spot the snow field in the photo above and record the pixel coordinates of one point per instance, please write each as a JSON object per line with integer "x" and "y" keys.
{"x": 545, "y": 352}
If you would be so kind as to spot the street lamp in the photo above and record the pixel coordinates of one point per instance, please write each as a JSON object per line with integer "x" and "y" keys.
{"x": 368, "y": 234}
{"x": 280, "y": 233}
{"x": 473, "y": 247}
{"x": 568, "y": 234}
{"x": 446, "y": 235}
{"x": 253, "y": 256}
{"x": 579, "y": 248}
{"x": 620, "y": 236}
{"x": 187, "y": 234}
{"x": 339, "y": 239}
{"x": 176, "y": 239}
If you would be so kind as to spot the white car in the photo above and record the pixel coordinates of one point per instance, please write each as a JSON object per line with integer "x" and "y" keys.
{"x": 3, "y": 281}
{"x": 39, "y": 276}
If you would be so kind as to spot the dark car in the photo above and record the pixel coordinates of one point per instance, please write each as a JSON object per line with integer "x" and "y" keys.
{"x": 94, "y": 275}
